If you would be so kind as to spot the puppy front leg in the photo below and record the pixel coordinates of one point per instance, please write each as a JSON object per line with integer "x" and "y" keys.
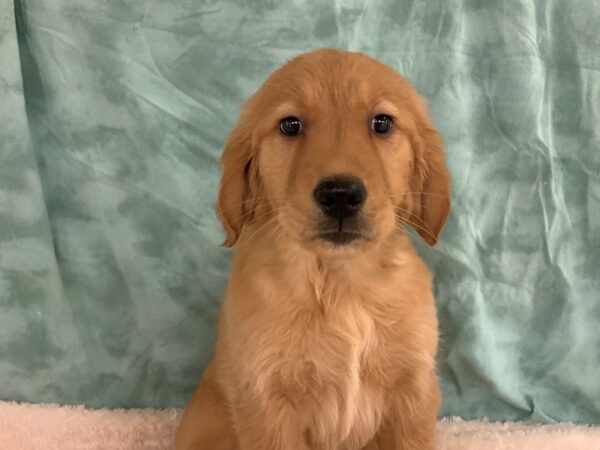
{"x": 206, "y": 423}
{"x": 276, "y": 427}
{"x": 413, "y": 419}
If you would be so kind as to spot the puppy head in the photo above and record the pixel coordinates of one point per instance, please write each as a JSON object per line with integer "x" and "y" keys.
{"x": 336, "y": 150}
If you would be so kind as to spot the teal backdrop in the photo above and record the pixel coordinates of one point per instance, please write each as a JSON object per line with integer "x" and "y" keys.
{"x": 113, "y": 116}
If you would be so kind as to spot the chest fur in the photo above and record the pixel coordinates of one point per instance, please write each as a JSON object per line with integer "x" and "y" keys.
{"x": 322, "y": 347}
{"x": 324, "y": 363}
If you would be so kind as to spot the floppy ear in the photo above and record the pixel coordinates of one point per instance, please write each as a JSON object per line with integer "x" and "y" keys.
{"x": 431, "y": 184}
{"x": 235, "y": 204}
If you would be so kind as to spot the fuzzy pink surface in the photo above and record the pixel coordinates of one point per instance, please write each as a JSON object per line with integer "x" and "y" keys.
{"x": 52, "y": 427}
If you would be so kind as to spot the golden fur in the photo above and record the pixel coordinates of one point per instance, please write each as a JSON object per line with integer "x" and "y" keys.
{"x": 325, "y": 346}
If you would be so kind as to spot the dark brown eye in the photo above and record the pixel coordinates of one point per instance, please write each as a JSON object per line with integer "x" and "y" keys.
{"x": 290, "y": 126}
{"x": 382, "y": 124}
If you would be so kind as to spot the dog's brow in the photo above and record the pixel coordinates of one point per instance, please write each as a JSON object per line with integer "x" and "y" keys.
{"x": 387, "y": 107}
{"x": 286, "y": 109}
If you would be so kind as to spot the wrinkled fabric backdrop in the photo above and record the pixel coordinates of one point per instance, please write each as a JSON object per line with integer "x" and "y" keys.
{"x": 112, "y": 118}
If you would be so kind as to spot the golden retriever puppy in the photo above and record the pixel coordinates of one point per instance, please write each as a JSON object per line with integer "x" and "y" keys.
{"x": 328, "y": 330}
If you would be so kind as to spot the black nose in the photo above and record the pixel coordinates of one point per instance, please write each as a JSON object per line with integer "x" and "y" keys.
{"x": 340, "y": 197}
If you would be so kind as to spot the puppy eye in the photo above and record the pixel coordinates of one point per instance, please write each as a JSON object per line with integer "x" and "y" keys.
{"x": 382, "y": 124}
{"x": 290, "y": 126}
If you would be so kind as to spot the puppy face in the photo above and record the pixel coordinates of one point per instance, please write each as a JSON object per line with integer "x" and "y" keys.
{"x": 335, "y": 150}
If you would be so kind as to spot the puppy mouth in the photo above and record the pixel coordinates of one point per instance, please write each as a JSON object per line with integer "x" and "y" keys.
{"x": 339, "y": 238}
{"x": 343, "y": 232}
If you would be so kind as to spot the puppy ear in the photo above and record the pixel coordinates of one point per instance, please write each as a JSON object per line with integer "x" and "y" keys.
{"x": 431, "y": 184}
{"x": 235, "y": 202}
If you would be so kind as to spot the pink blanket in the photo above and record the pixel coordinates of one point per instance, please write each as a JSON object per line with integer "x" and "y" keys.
{"x": 52, "y": 427}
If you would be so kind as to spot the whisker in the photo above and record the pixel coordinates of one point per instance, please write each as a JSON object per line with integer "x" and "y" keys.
{"x": 260, "y": 228}
{"x": 258, "y": 217}
{"x": 407, "y": 221}
{"x": 256, "y": 231}
{"x": 433, "y": 194}
{"x": 243, "y": 202}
